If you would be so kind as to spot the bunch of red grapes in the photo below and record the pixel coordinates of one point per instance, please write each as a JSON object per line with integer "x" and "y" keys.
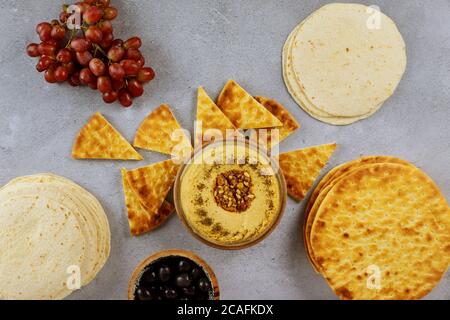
{"x": 88, "y": 54}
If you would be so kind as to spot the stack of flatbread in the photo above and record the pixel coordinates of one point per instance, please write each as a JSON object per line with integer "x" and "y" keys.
{"x": 54, "y": 238}
{"x": 343, "y": 62}
{"x": 378, "y": 228}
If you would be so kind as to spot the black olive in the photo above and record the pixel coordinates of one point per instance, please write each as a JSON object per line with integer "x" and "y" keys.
{"x": 204, "y": 285}
{"x": 143, "y": 294}
{"x": 183, "y": 280}
{"x": 196, "y": 273}
{"x": 189, "y": 292}
{"x": 184, "y": 266}
{"x": 170, "y": 294}
{"x": 149, "y": 277}
{"x": 164, "y": 273}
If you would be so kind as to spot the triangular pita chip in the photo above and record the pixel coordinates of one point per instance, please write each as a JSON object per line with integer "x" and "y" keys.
{"x": 214, "y": 123}
{"x": 161, "y": 132}
{"x": 302, "y": 167}
{"x": 139, "y": 218}
{"x": 151, "y": 184}
{"x": 273, "y": 136}
{"x": 243, "y": 110}
{"x": 98, "y": 139}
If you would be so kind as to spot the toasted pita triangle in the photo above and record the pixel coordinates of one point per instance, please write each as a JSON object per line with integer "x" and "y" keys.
{"x": 243, "y": 110}
{"x": 302, "y": 167}
{"x": 213, "y": 120}
{"x": 98, "y": 139}
{"x": 139, "y": 218}
{"x": 151, "y": 184}
{"x": 161, "y": 132}
{"x": 269, "y": 134}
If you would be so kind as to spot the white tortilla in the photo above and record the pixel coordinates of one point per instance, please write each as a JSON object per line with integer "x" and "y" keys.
{"x": 332, "y": 56}
{"x": 52, "y": 198}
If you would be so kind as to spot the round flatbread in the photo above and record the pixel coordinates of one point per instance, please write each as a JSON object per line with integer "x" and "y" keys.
{"x": 343, "y": 61}
{"x": 390, "y": 219}
{"x": 326, "y": 184}
{"x": 39, "y": 243}
{"x": 84, "y": 223}
{"x": 297, "y": 94}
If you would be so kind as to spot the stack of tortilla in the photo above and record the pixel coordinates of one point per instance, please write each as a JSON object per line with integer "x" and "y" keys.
{"x": 378, "y": 228}
{"x": 343, "y": 62}
{"x": 55, "y": 238}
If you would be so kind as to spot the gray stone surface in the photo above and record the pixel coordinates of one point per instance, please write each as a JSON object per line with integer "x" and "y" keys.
{"x": 192, "y": 43}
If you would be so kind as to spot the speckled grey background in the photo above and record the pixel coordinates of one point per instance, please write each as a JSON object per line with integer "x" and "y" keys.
{"x": 192, "y": 43}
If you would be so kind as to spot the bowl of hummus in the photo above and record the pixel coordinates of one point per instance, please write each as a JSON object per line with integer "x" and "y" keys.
{"x": 230, "y": 194}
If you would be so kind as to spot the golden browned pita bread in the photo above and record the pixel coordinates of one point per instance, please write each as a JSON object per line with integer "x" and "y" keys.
{"x": 139, "y": 218}
{"x": 302, "y": 167}
{"x": 278, "y": 110}
{"x": 151, "y": 184}
{"x": 214, "y": 122}
{"x": 325, "y": 185}
{"x": 99, "y": 140}
{"x": 161, "y": 132}
{"x": 243, "y": 110}
{"x": 387, "y": 221}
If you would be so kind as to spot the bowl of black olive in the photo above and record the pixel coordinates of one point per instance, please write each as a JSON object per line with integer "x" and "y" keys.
{"x": 173, "y": 275}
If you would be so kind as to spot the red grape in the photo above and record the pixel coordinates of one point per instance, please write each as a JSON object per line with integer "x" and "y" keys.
{"x": 135, "y": 88}
{"x": 79, "y": 45}
{"x": 64, "y": 56}
{"x": 43, "y": 26}
{"x": 52, "y": 42}
{"x": 44, "y": 63}
{"x": 64, "y": 16}
{"x": 133, "y": 54}
{"x": 84, "y": 6}
{"x": 130, "y": 67}
{"x": 71, "y": 67}
{"x": 115, "y": 54}
{"x": 134, "y": 42}
{"x": 94, "y": 34}
{"x": 58, "y": 32}
{"x": 116, "y": 71}
{"x": 141, "y": 62}
{"x": 74, "y": 79}
{"x": 105, "y": 27}
{"x": 125, "y": 98}
{"x": 45, "y": 35}
{"x": 49, "y": 75}
{"x": 92, "y": 15}
{"x": 110, "y": 13}
{"x": 33, "y": 50}
{"x": 118, "y": 84}
{"x": 84, "y": 58}
{"x": 117, "y": 43}
{"x": 86, "y": 76}
{"x": 146, "y": 75}
{"x": 46, "y": 49}
{"x": 104, "y": 3}
{"x": 61, "y": 74}
{"x": 97, "y": 67}
{"x": 110, "y": 96}
{"x": 106, "y": 41}
{"x": 104, "y": 84}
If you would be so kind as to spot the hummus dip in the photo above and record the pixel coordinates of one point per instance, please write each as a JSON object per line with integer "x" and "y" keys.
{"x": 230, "y": 194}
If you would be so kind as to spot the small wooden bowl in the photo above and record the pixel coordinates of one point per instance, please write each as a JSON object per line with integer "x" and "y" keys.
{"x": 135, "y": 277}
